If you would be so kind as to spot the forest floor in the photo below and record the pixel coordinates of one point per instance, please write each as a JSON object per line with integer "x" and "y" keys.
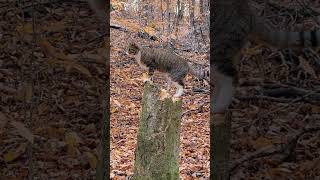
{"x": 126, "y": 93}
{"x": 51, "y": 81}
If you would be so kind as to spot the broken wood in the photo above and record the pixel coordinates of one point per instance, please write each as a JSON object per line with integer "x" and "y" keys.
{"x": 157, "y": 151}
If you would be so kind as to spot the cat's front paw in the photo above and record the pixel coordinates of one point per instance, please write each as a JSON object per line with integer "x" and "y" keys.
{"x": 176, "y": 98}
{"x": 164, "y": 94}
{"x": 146, "y": 78}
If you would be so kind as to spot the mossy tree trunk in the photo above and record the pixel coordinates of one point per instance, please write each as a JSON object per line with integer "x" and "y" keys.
{"x": 157, "y": 151}
{"x": 220, "y": 125}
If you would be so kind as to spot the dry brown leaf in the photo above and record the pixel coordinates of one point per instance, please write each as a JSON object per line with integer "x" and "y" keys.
{"x": 117, "y": 103}
{"x": 164, "y": 94}
{"x": 24, "y": 92}
{"x": 92, "y": 160}
{"x": 48, "y": 49}
{"x": 54, "y": 132}
{"x": 118, "y": 6}
{"x": 22, "y": 130}
{"x": 132, "y": 106}
{"x": 71, "y": 99}
{"x": 261, "y": 142}
{"x": 26, "y": 28}
{"x": 113, "y": 110}
{"x": 62, "y": 59}
{"x": 14, "y": 153}
{"x": 81, "y": 69}
{"x": 151, "y": 31}
{"x": 71, "y": 140}
{"x": 43, "y": 108}
{"x": 56, "y": 26}
{"x": 307, "y": 67}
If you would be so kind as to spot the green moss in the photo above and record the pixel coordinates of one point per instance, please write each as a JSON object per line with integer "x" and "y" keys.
{"x": 158, "y": 138}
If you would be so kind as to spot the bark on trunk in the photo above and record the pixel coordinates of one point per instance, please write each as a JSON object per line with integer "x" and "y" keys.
{"x": 157, "y": 153}
{"x": 220, "y": 125}
{"x": 201, "y": 5}
{"x": 193, "y": 2}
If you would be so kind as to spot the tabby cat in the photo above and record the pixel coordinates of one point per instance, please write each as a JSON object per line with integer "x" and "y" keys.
{"x": 162, "y": 60}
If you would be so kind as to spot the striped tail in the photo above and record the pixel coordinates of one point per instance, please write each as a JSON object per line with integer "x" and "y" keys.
{"x": 199, "y": 71}
{"x": 286, "y": 39}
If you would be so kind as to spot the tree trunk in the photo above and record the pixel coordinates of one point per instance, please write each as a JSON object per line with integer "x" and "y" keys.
{"x": 179, "y": 16}
{"x": 103, "y": 159}
{"x": 168, "y": 16}
{"x": 220, "y": 125}
{"x": 192, "y": 6}
{"x": 206, "y": 5}
{"x": 157, "y": 151}
{"x": 162, "y": 15}
{"x": 201, "y": 7}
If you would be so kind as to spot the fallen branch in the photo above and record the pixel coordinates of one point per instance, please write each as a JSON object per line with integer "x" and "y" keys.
{"x": 117, "y": 26}
{"x": 261, "y": 97}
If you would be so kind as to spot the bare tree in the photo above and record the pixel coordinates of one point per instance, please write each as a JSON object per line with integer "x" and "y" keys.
{"x": 191, "y": 16}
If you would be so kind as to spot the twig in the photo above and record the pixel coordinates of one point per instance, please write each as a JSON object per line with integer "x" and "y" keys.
{"x": 261, "y": 97}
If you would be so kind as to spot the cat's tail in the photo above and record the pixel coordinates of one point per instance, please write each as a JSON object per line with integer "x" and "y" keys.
{"x": 285, "y": 39}
{"x": 199, "y": 71}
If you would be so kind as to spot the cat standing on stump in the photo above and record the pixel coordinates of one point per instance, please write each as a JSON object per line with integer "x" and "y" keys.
{"x": 176, "y": 67}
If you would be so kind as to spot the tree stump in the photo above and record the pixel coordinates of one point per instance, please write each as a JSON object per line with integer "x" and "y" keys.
{"x": 220, "y": 136}
{"x": 157, "y": 151}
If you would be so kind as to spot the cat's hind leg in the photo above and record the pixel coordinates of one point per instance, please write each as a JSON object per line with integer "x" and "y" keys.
{"x": 179, "y": 91}
{"x": 223, "y": 92}
{"x": 169, "y": 82}
{"x": 177, "y": 78}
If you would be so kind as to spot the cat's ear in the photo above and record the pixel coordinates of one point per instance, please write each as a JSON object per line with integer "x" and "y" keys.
{"x": 134, "y": 45}
{"x": 132, "y": 41}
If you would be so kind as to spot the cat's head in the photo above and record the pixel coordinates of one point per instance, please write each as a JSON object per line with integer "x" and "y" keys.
{"x": 133, "y": 48}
